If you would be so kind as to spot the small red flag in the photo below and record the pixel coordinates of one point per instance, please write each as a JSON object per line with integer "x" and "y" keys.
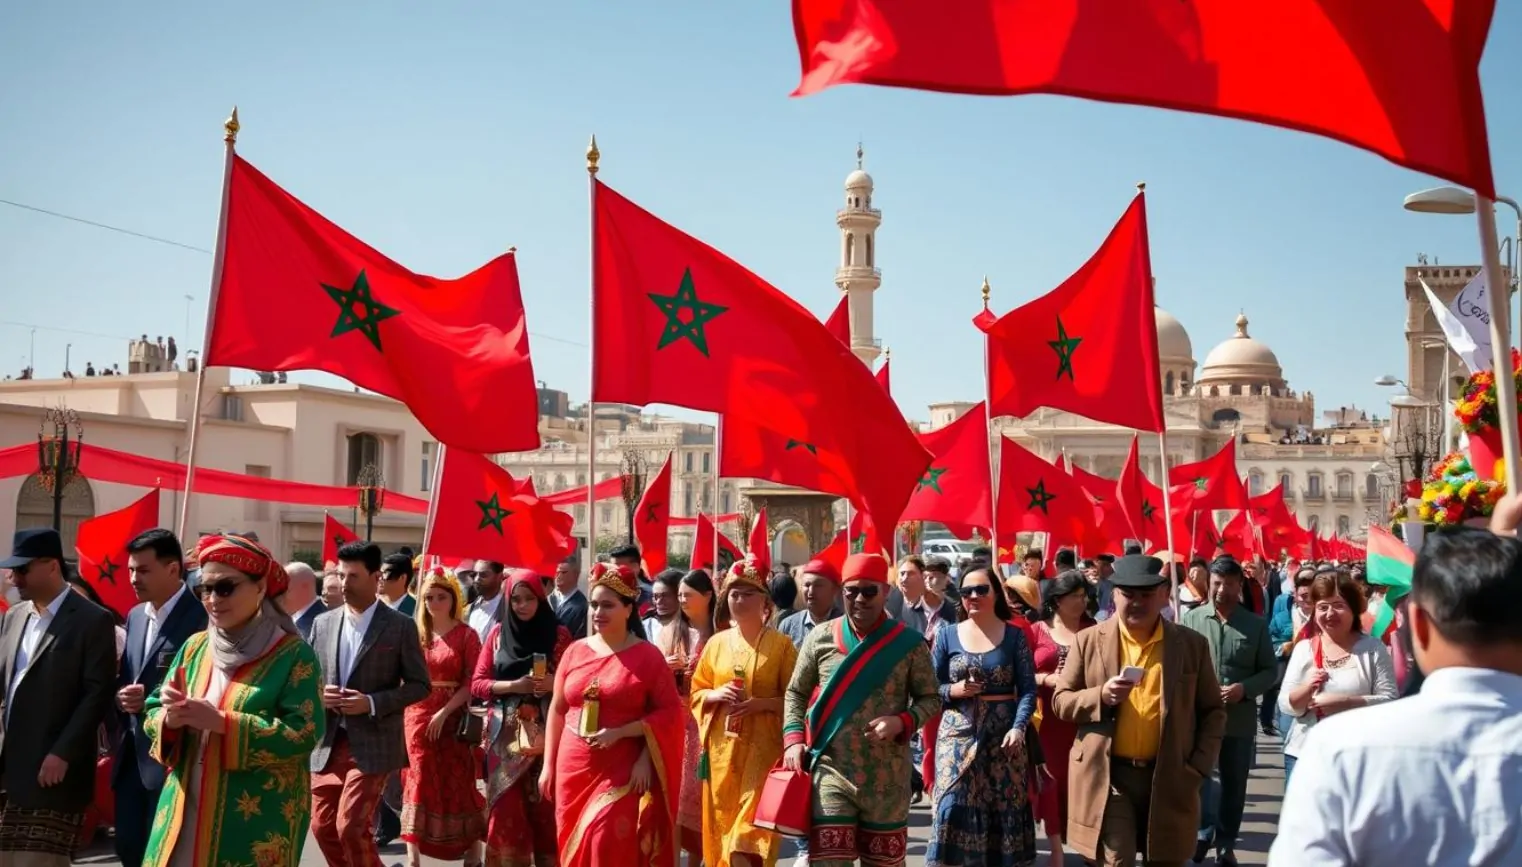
{"x": 1090, "y": 345}
{"x": 1209, "y": 484}
{"x": 955, "y": 488}
{"x": 883, "y": 378}
{"x": 1400, "y": 78}
{"x": 652, "y": 520}
{"x": 1038, "y": 497}
{"x": 482, "y": 511}
{"x": 299, "y": 293}
{"x": 836, "y": 552}
{"x": 702, "y": 549}
{"x": 334, "y": 536}
{"x": 1141, "y": 502}
{"x": 839, "y": 323}
{"x": 758, "y": 545}
{"x": 102, "y": 548}
{"x": 680, "y": 323}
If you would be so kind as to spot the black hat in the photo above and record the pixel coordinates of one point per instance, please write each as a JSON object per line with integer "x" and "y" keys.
{"x": 1138, "y": 571}
{"x": 31, "y": 544}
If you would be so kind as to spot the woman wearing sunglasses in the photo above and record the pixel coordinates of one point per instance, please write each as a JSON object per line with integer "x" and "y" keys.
{"x": 236, "y": 721}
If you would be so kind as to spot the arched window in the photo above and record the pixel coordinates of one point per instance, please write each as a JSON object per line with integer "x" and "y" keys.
{"x": 1313, "y": 523}
{"x": 560, "y": 481}
{"x": 364, "y": 450}
{"x": 1286, "y": 482}
{"x": 1345, "y": 485}
{"x": 34, "y": 508}
{"x": 850, "y": 250}
{"x": 869, "y": 251}
{"x": 1343, "y": 525}
{"x": 1371, "y": 487}
{"x": 1168, "y": 383}
{"x": 1254, "y": 483}
{"x": 1313, "y": 484}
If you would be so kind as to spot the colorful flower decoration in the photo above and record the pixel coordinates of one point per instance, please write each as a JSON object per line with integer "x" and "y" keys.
{"x": 1476, "y": 407}
{"x": 1453, "y": 493}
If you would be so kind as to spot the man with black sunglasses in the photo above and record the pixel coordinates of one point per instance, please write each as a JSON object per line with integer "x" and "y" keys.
{"x": 862, "y": 685}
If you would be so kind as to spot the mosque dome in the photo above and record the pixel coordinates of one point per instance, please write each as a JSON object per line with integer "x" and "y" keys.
{"x": 1242, "y": 360}
{"x": 859, "y": 180}
{"x": 1173, "y": 342}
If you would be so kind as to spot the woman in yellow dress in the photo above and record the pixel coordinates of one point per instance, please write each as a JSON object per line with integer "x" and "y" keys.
{"x": 740, "y": 728}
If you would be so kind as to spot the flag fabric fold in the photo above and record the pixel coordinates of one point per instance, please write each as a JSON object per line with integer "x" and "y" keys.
{"x": 1090, "y": 345}
{"x": 839, "y": 323}
{"x": 1390, "y": 565}
{"x": 1400, "y": 78}
{"x": 1466, "y": 323}
{"x": 703, "y": 550}
{"x": 678, "y": 322}
{"x": 955, "y": 487}
{"x": 300, "y": 293}
{"x": 101, "y": 544}
{"x": 334, "y": 536}
{"x": 758, "y": 545}
{"x": 482, "y": 511}
{"x": 1036, "y": 496}
{"x": 1209, "y": 484}
{"x": 1141, "y": 501}
{"x": 652, "y": 520}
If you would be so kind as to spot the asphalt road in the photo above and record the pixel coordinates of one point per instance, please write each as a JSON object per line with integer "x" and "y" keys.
{"x": 1264, "y": 793}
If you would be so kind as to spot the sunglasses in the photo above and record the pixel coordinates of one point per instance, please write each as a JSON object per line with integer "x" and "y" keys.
{"x": 867, "y": 592}
{"x": 975, "y": 591}
{"x": 222, "y": 589}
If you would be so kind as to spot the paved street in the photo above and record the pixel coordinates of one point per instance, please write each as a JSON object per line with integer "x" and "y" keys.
{"x": 1263, "y": 797}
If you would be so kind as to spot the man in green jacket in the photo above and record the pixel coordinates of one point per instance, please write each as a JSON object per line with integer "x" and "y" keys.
{"x": 1245, "y": 665}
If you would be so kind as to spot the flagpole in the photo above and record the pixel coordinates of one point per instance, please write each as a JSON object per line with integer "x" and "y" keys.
{"x": 593, "y": 155}
{"x": 230, "y": 129}
{"x": 718, "y": 455}
{"x": 1162, "y": 445}
{"x": 1500, "y": 338}
{"x": 433, "y": 501}
{"x": 993, "y": 458}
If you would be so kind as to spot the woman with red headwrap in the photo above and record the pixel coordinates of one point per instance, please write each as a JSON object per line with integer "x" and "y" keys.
{"x": 236, "y": 721}
{"x": 613, "y": 743}
{"x": 515, "y": 675}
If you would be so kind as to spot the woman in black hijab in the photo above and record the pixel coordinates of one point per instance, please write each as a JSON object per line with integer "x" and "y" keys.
{"x": 515, "y": 676}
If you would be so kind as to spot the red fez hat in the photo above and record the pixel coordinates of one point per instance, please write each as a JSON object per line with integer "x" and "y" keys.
{"x": 825, "y": 568}
{"x": 866, "y": 567}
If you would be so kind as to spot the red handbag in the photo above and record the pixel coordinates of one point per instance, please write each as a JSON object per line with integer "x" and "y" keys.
{"x": 786, "y": 803}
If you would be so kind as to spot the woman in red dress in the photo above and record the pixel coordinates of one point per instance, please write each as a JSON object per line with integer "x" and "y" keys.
{"x": 1064, "y": 615}
{"x": 520, "y": 825}
{"x": 442, "y": 812}
{"x": 613, "y": 743}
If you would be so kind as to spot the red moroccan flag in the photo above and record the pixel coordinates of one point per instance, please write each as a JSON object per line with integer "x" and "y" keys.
{"x": 299, "y": 293}
{"x": 652, "y": 520}
{"x": 955, "y": 487}
{"x": 702, "y": 548}
{"x": 758, "y": 545}
{"x": 1400, "y": 78}
{"x": 836, "y": 552}
{"x": 883, "y": 378}
{"x": 334, "y": 536}
{"x": 1140, "y": 501}
{"x": 1209, "y": 484}
{"x": 1092, "y": 536}
{"x": 680, "y": 323}
{"x": 1035, "y": 496}
{"x": 480, "y": 510}
{"x": 102, "y": 548}
{"x": 750, "y": 451}
{"x": 839, "y": 323}
{"x": 1090, "y": 345}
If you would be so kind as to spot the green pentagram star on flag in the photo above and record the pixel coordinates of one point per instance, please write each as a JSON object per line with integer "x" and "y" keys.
{"x": 1147, "y": 510}
{"x": 800, "y": 444}
{"x": 492, "y": 514}
{"x": 693, "y": 326}
{"x": 932, "y": 479}
{"x": 1201, "y": 483}
{"x": 1064, "y": 346}
{"x": 108, "y": 570}
{"x": 359, "y": 311}
{"x": 1039, "y": 497}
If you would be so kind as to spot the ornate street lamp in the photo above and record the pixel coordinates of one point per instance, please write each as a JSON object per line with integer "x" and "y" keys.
{"x": 58, "y": 455}
{"x": 634, "y": 469}
{"x": 372, "y": 496}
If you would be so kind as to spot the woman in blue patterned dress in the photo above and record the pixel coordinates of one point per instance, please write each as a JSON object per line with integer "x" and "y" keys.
{"x": 982, "y": 811}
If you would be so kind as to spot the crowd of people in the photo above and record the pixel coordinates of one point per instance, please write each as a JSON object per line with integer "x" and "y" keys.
{"x": 497, "y": 716}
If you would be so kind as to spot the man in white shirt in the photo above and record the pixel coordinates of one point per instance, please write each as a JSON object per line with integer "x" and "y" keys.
{"x": 300, "y": 598}
{"x": 1432, "y": 779}
{"x": 486, "y": 610}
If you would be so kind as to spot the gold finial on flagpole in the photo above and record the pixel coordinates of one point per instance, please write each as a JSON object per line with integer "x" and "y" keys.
{"x": 887, "y": 355}
{"x": 1141, "y": 186}
{"x": 231, "y": 126}
{"x": 512, "y": 251}
{"x": 986, "y": 290}
{"x": 593, "y": 155}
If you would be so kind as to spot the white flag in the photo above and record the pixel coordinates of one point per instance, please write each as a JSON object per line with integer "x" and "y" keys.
{"x": 1466, "y": 322}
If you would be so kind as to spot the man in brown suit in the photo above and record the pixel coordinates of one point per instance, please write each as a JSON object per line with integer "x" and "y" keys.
{"x": 1147, "y": 741}
{"x": 373, "y": 667}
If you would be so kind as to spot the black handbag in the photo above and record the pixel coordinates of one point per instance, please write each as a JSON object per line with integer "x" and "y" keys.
{"x": 470, "y": 728}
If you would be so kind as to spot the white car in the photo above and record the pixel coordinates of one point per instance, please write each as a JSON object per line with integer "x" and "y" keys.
{"x": 953, "y": 551}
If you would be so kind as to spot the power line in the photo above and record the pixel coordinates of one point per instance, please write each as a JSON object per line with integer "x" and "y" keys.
{"x": 172, "y": 243}
{"x": 63, "y": 330}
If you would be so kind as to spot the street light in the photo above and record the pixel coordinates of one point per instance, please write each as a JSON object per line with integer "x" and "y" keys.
{"x": 372, "y": 496}
{"x": 57, "y": 456}
{"x": 1388, "y": 380}
{"x": 633, "y": 488}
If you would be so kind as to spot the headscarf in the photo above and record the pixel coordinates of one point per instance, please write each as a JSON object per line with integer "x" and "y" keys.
{"x": 231, "y": 649}
{"x": 518, "y": 640}
{"x": 437, "y": 577}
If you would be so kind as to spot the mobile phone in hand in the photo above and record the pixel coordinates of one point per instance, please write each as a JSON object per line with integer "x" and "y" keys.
{"x": 1132, "y": 674}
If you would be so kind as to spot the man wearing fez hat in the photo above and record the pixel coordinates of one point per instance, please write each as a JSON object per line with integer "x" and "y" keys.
{"x": 1144, "y": 696}
{"x": 58, "y": 670}
{"x": 863, "y": 684}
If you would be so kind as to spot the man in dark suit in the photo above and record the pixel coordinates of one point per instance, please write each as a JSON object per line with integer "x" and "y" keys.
{"x": 166, "y": 615}
{"x": 58, "y": 669}
{"x": 300, "y": 598}
{"x": 373, "y": 667}
{"x": 396, "y": 574}
{"x": 569, "y": 602}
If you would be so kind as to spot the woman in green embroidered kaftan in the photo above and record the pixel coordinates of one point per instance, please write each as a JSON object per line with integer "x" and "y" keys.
{"x": 235, "y": 723}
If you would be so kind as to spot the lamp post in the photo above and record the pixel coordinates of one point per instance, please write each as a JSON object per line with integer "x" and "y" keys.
{"x": 1447, "y": 400}
{"x": 58, "y": 455}
{"x": 634, "y": 468}
{"x": 372, "y": 496}
{"x": 1452, "y": 200}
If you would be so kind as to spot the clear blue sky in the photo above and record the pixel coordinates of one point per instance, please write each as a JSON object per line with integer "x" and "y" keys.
{"x": 444, "y": 133}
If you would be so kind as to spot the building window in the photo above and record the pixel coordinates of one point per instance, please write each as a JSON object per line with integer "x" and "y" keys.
{"x": 1345, "y": 485}
{"x": 1313, "y": 484}
{"x": 1254, "y": 483}
{"x": 687, "y": 462}
{"x": 726, "y": 502}
{"x": 1313, "y": 523}
{"x": 1287, "y": 484}
{"x": 364, "y": 450}
{"x": 850, "y": 250}
{"x": 869, "y": 250}
{"x": 560, "y": 481}
{"x": 1168, "y": 383}
{"x": 707, "y": 462}
{"x": 1371, "y": 487}
{"x": 581, "y": 513}
{"x": 427, "y": 475}
{"x": 581, "y": 480}
{"x": 256, "y": 510}
{"x": 1342, "y": 525}
{"x": 687, "y": 500}
{"x": 232, "y": 408}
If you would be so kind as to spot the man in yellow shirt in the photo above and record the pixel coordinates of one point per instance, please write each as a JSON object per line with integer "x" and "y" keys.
{"x": 1144, "y": 696}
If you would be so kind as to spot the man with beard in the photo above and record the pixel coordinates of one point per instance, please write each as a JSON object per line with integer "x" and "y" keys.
{"x": 862, "y": 685}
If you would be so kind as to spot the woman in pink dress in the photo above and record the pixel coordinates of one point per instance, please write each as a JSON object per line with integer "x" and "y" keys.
{"x": 1064, "y": 614}
{"x": 612, "y": 749}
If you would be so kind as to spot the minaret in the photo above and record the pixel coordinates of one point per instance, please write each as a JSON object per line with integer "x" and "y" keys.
{"x": 858, "y": 276}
